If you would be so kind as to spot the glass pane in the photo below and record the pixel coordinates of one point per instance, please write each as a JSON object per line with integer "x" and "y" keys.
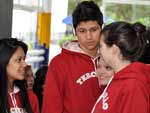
{"x": 30, "y": 2}
{"x": 128, "y": 12}
{"x": 24, "y": 26}
{"x": 16, "y": 1}
{"x": 25, "y": 2}
{"x": 40, "y": 4}
{"x": 34, "y": 2}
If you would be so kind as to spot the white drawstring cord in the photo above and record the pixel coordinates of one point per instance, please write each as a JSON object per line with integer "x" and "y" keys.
{"x": 100, "y": 97}
{"x": 12, "y": 95}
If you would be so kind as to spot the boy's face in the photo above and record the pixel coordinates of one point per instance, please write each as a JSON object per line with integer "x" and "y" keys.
{"x": 88, "y": 34}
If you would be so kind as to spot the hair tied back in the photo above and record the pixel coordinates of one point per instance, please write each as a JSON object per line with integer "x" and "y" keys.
{"x": 139, "y": 28}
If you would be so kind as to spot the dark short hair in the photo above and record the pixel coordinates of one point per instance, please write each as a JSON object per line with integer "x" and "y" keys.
{"x": 86, "y": 11}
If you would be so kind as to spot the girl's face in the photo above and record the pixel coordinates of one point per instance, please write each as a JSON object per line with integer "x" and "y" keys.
{"x": 29, "y": 77}
{"x": 16, "y": 66}
{"x": 104, "y": 73}
{"x": 106, "y": 52}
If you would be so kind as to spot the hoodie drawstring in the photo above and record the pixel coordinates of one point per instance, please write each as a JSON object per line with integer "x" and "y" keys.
{"x": 103, "y": 94}
{"x": 12, "y": 95}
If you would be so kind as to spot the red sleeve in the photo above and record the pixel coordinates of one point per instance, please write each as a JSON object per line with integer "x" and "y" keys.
{"x": 53, "y": 90}
{"x": 33, "y": 101}
{"x": 135, "y": 100}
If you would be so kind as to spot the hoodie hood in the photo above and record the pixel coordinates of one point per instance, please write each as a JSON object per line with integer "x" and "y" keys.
{"x": 15, "y": 90}
{"x": 15, "y": 105}
{"x": 73, "y": 47}
{"x": 142, "y": 72}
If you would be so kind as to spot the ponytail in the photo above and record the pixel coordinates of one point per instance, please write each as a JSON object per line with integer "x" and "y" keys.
{"x": 139, "y": 30}
{"x": 144, "y": 36}
{"x": 145, "y": 58}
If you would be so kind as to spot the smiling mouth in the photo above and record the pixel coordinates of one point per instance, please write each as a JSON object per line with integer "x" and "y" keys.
{"x": 90, "y": 42}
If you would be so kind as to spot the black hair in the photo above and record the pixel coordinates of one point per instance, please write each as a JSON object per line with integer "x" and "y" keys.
{"x": 8, "y": 46}
{"x": 39, "y": 82}
{"x": 86, "y": 11}
{"x": 128, "y": 37}
{"x": 145, "y": 58}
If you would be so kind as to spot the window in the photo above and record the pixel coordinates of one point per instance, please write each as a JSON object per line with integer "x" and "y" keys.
{"x": 24, "y": 25}
{"x": 128, "y": 10}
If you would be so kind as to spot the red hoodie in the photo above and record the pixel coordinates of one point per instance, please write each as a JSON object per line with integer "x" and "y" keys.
{"x": 15, "y": 103}
{"x": 71, "y": 85}
{"x": 128, "y": 92}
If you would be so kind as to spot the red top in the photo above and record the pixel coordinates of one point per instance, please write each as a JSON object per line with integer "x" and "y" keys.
{"x": 15, "y": 103}
{"x": 71, "y": 85}
{"x": 128, "y": 92}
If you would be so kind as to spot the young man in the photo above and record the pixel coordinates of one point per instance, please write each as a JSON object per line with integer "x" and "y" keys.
{"x": 71, "y": 85}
